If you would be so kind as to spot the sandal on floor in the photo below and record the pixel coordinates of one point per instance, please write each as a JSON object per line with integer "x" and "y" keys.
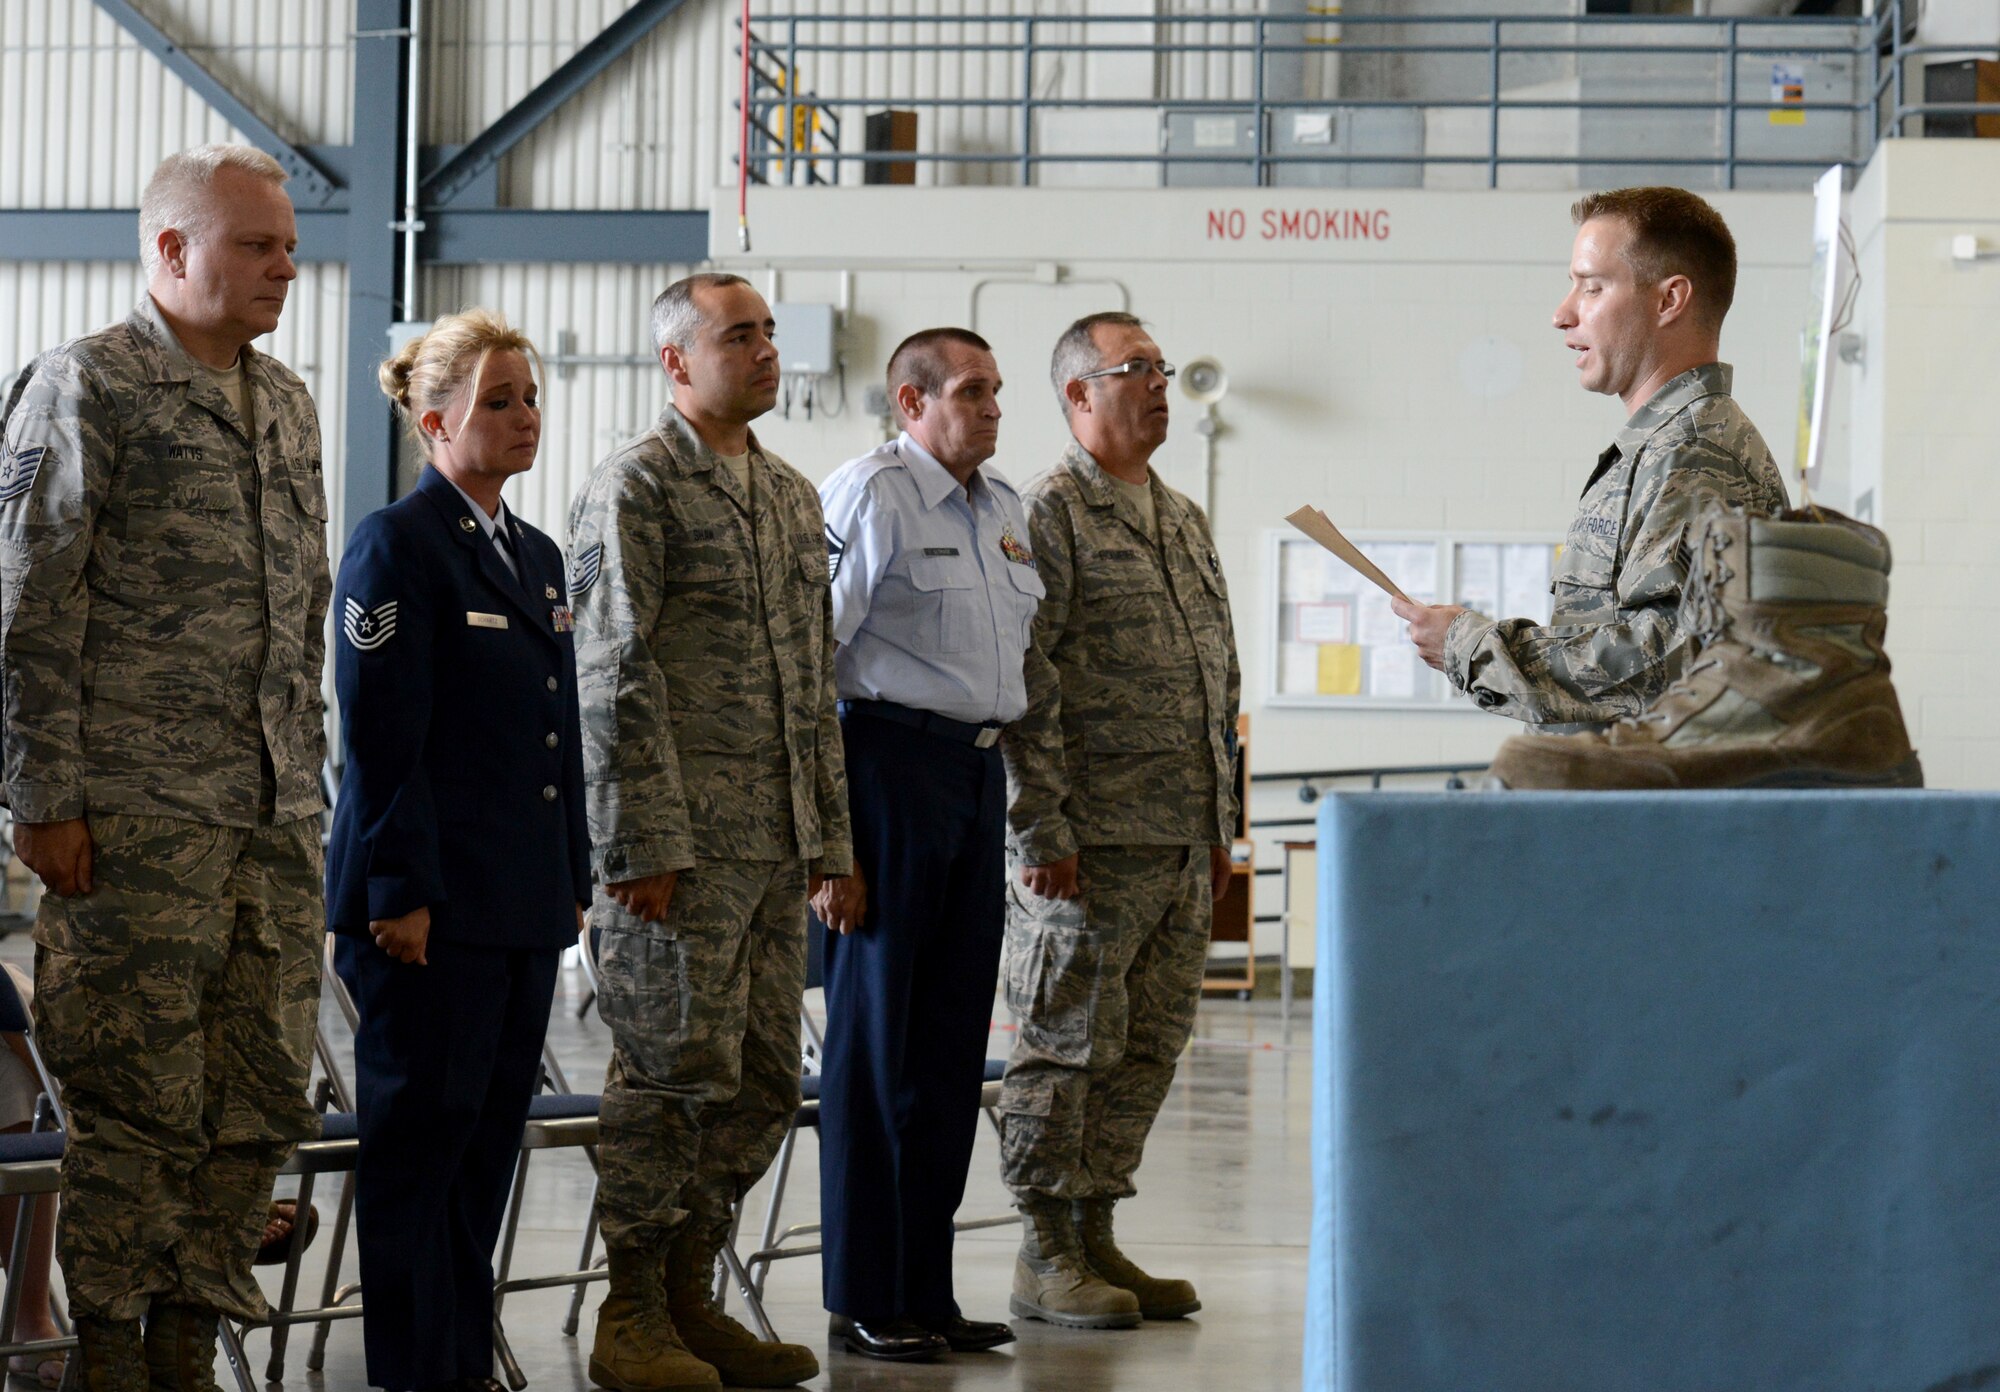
{"x": 43, "y": 1369}
{"x": 286, "y": 1211}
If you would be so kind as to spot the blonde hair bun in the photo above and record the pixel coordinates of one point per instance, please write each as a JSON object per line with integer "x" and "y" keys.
{"x": 431, "y": 371}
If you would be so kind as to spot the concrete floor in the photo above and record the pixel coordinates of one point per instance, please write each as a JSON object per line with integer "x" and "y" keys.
{"x": 1225, "y": 1197}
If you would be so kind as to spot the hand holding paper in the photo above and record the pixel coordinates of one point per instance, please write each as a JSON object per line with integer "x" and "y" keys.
{"x": 1428, "y": 625}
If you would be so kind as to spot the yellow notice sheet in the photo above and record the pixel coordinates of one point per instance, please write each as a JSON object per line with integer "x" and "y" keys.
{"x": 1340, "y": 669}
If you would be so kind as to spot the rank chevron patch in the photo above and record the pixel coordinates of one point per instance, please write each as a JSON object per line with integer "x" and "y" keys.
{"x": 584, "y": 568}
{"x": 836, "y": 548}
{"x": 368, "y": 629}
{"x": 18, "y": 469}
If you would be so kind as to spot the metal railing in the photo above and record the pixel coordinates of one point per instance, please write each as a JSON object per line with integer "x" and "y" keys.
{"x": 790, "y": 131}
{"x": 1310, "y": 784}
{"x": 1879, "y": 48}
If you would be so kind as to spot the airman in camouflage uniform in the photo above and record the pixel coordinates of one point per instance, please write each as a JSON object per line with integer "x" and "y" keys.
{"x": 1121, "y": 807}
{"x": 163, "y": 582}
{"x": 713, "y": 771}
{"x": 1652, "y": 274}
{"x": 1615, "y": 639}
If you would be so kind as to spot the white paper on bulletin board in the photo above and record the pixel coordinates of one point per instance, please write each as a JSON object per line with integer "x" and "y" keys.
{"x": 1337, "y": 643}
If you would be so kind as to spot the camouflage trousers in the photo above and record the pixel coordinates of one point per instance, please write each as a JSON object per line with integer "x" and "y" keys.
{"x": 704, "y": 1017}
{"x": 1104, "y": 990}
{"x": 175, "y": 1005}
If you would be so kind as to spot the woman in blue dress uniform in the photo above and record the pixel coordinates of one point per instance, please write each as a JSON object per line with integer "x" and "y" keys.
{"x": 459, "y": 865}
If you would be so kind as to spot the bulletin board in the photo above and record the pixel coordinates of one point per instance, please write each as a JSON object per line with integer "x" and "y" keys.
{"x": 1335, "y": 641}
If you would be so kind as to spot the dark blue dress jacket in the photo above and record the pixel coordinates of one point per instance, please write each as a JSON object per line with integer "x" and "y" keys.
{"x": 463, "y": 788}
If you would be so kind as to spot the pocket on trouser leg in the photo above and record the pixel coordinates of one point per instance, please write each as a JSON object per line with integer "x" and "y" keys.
{"x": 130, "y": 1058}
{"x": 1052, "y": 984}
{"x": 642, "y": 995}
{"x": 1040, "y": 1138}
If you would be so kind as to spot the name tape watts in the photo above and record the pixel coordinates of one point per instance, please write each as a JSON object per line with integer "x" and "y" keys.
{"x": 1299, "y": 225}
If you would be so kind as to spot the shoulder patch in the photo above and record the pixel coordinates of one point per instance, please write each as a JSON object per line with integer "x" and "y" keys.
{"x": 18, "y": 469}
{"x": 584, "y": 568}
{"x": 368, "y": 629}
{"x": 836, "y": 547}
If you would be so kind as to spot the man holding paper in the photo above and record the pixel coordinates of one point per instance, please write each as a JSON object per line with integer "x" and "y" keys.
{"x": 1652, "y": 274}
{"x": 1121, "y": 811}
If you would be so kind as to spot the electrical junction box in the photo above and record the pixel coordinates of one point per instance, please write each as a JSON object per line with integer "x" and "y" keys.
{"x": 805, "y": 339}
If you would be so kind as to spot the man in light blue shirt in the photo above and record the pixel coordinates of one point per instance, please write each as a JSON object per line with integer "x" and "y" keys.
{"x": 934, "y": 596}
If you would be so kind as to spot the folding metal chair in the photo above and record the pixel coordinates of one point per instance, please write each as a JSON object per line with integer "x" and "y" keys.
{"x": 335, "y": 1152}
{"x": 728, "y": 1265}
{"x": 558, "y": 1117}
{"x": 30, "y": 1169}
{"x": 781, "y": 1244}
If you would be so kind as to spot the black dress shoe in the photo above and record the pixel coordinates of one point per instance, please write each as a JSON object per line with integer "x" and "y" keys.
{"x": 897, "y": 1340}
{"x": 969, "y": 1336}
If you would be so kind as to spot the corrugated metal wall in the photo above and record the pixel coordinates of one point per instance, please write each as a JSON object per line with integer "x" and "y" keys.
{"x": 86, "y": 113}
{"x": 659, "y": 129}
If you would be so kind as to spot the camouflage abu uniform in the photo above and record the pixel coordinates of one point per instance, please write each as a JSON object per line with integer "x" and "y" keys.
{"x": 1614, "y": 641}
{"x": 1124, "y": 755}
{"x": 163, "y": 582}
{"x": 711, "y": 747}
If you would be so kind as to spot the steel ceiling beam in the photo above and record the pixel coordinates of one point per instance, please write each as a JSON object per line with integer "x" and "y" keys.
{"x": 456, "y": 237}
{"x": 309, "y": 177}
{"x": 450, "y": 179}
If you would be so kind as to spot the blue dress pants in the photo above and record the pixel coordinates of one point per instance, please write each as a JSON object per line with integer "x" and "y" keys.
{"x": 445, "y": 1062}
{"x": 909, "y": 999}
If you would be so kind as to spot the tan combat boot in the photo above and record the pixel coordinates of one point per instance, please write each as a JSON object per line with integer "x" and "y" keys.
{"x": 1053, "y": 1282}
{"x": 110, "y": 1356}
{"x": 637, "y": 1348}
{"x": 1160, "y": 1298}
{"x": 180, "y": 1348}
{"x": 740, "y": 1357}
{"x": 1790, "y": 687}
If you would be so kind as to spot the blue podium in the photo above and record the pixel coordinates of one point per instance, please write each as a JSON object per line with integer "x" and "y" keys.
{"x": 1657, "y": 1093}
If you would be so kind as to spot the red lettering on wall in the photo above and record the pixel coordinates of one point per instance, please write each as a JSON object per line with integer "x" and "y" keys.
{"x": 1303, "y": 225}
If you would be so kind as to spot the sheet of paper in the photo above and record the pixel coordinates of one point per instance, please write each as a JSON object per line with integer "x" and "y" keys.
{"x": 1525, "y": 582}
{"x": 1320, "y": 528}
{"x": 1324, "y": 623}
{"x": 1392, "y": 672}
{"x": 1376, "y": 624}
{"x": 1298, "y": 669}
{"x": 1302, "y": 567}
{"x": 1414, "y": 565}
{"x": 1479, "y": 577}
{"x": 1339, "y": 669}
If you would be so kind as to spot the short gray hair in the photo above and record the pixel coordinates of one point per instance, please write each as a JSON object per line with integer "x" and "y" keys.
{"x": 676, "y": 317}
{"x": 178, "y": 195}
{"x": 1077, "y": 352}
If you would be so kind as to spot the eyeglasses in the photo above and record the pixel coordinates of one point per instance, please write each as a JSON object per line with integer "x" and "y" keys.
{"x": 1137, "y": 365}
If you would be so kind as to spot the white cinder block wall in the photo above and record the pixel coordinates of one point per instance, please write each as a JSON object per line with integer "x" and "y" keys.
{"x": 1925, "y": 426}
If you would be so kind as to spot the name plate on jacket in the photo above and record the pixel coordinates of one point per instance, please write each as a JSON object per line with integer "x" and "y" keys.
{"x": 478, "y": 620}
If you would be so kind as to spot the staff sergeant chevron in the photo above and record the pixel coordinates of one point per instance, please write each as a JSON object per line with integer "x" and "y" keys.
{"x": 368, "y": 629}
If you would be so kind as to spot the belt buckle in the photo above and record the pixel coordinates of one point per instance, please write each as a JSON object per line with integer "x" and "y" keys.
{"x": 989, "y": 735}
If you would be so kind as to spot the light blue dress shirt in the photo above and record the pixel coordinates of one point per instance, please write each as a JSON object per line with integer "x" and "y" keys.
{"x": 934, "y": 585}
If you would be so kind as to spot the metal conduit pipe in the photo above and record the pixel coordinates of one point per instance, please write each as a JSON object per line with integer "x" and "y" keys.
{"x": 1048, "y": 274}
{"x": 413, "y": 121}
